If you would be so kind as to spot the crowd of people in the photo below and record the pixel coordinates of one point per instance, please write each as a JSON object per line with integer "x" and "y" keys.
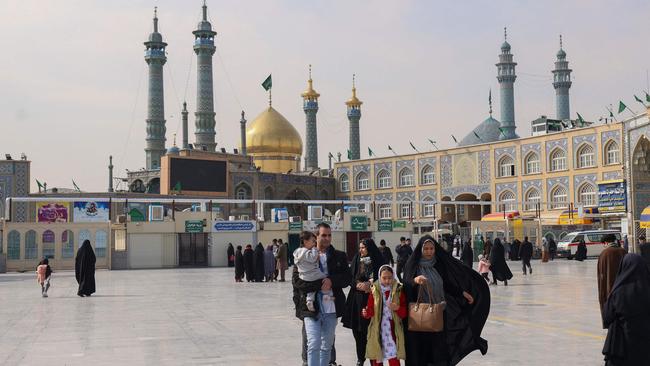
{"x": 260, "y": 264}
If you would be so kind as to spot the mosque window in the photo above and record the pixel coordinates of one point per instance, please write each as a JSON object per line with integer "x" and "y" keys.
{"x": 385, "y": 211}
{"x": 344, "y": 181}
{"x": 428, "y": 207}
{"x": 506, "y": 167}
{"x": 67, "y": 241}
{"x": 558, "y": 160}
{"x": 13, "y": 245}
{"x": 507, "y": 201}
{"x": 406, "y": 178}
{"x": 101, "y": 242}
{"x": 558, "y": 198}
{"x": 363, "y": 183}
{"x": 405, "y": 210}
{"x": 531, "y": 163}
{"x": 384, "y": 179}
{"x": 428, "y": 175}
{"x": 241, "y": 193}
{"x": 31, "y": 249}
{"x": 587, "y": 195}
{"x": 48, "y": 244}
{"x": 531, "y": 199}
{"x": 611, "y": 153}
{"x": 586, "y": 156}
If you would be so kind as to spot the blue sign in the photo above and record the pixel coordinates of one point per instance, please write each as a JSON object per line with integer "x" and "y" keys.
{"x": 612, "y": 196}
{"x": 234, "y": 226}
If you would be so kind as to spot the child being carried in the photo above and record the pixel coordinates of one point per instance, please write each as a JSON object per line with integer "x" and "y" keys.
{"x": 307, "y": 259}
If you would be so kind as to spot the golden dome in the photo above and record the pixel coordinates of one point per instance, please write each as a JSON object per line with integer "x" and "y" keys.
{"x": 354, "y": 101}
{"x": 310, "y": 93}
{"x": 272, "y": 134}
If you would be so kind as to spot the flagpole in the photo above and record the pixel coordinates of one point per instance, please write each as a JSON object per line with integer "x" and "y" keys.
{"x": 270, "y": 100}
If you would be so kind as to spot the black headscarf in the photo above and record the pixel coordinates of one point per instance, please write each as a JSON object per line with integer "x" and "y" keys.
{"x": 467, "y": 255}
{"x": 463, "y": 322}
{"x": 498, "y": 265}
{"x": 231, "y": 255}
{"x": 258, "y": 260}
{"x": 626, "y": 314}
{"x": 376, "y": 259}
{"x": 239, "y": 263}
{"x": 249, "y": 263}
{"x": 84, "y": 269}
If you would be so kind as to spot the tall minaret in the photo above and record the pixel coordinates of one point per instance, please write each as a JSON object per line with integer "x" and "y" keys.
{"x": 506, "y": 77}
{"x": 186, "y": 143}
{"x": 242, "y": 123}
{"x": 562, "y": 83}
{"x": 155, "y": 57}
{"x": 110, "y": 174}
{"x": 310, "y": 106}
{"x": 204, "y": 115}
{"x": 354, "y": 115}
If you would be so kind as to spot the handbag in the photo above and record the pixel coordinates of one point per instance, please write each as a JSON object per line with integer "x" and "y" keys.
{"x": 426, "y": 317}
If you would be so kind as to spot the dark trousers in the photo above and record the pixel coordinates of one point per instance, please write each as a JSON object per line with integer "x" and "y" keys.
{"x": 304, "y": 347}
{"x": 360, "y": 338}
{"x": 400, "y": 271}
{"x": 526, "y": 263}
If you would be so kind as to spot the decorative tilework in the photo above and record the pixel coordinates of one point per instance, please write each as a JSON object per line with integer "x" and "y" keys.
{"x": 446, "y": 176}
{"x": 362, "y": 198}
{"x": 298, "y": 179}
{"x": 552, "y": 182}
{"x": 525, "y": 149}
{"x": 484, "y": 167}
{"x": 237, "y": 179}
{"x": 498, "y": 153}
{"x": 612, "y": 175}
{"x": 403, "y": 163}
{"x": 356, "y": 169}
{"x": 383, "y": 197}
{"x": 476, "y": 190}
{"x": 405, "y": 196}
{"x": 613, "y": 135}
{"x": 6, "y": 167}
{"x": 343, "y": 170}
{"x": 578, "y": 180}
{"x": 525, "y": 185}
{"x": 428, "y": 193}
{"x": 267, "y": 178}
{"x": 550, "y": 145}
{"x": 424, "y": 161}
{"x": 512, "y": 186}
{"x": 387, "y": 166}
{"x": 579, "y": 140}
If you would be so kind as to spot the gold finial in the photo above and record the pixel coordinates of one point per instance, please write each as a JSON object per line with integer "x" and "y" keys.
{"x": 309, "y": 72}
{"x": 310, "y": 93}
{"x": 354, "y": 101}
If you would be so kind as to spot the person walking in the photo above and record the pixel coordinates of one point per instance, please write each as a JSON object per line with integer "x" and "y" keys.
{"x": 608, "y": 265}
{"x": 487, "y": 249}
{"x": 239, "y": 265}
{"x": 467, "y": 305}
{"x": 526, "y": 253}
{"x": 269, "y": 264}
{"x": 44, "y": 275}
{"x": 230, "y": 253}
{"x": 403, "y": 251}
{"x": 386, "y": 309}
{"x": 365, "y": 271}
{"x": 545, "y": 248}
{"x": 84, "y": 269}
{"x": 498, "y": 265}
{"x": 581, "y": 251}
{"x": 467, "y": 256}
{"x": 626, "y": 315}
{"x": 320, "y": 328}
{"x": 552, "y": 248}
{"x": 282, "y": 259}
{"x": 479, "y": 246}
{"x": 386, "y": 253}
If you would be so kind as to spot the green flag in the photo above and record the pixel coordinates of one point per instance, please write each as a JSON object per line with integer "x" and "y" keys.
{"x": 647, "y": 97}
{"x": 639, "y": 100}
{"x": 349, "y": 154}
{"x": 75, "y": 186}
{"x": 178, "y": 187}
{"x": 432, "y": 142}
{"x": 268, "y": 83}
{"x": 413, "y": 146}
{"x": 390, "y": 148}
{"x": 621, "y": 107}
{"x": 454, "y": 137}
{"x": 40, "y": 185}
{"x": 501, "y": 130}
{"x": 581, "y": 120}
{"x": 611, "y": 114}
{"x": 329, "y": 155}
{"x": 370, "y": 153}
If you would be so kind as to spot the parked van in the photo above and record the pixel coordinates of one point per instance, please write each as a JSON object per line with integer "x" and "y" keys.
{"x": 568, "y": 246}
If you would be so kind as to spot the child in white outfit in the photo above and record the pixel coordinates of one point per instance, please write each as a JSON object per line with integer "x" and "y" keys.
{"x": 307, "y": 259}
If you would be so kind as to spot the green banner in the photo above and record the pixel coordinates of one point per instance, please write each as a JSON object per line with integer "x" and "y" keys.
{"x": 359, "y": 223}
{"x": 399, "y": 224}
{"x": 385, "y": 225}
{"x": 295, "y": 226}
{"x": 193, "y": 226}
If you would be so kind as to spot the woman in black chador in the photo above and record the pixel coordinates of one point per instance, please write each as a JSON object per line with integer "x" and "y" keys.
{"x": 231, "y": 255}
{"x": 467, "y": 298}
{"x": 467, "y": 255}
{"x": 258, "y": 260}
{"x": 239, "y": 265}
{"x": 365, "y": 267}
{"x": 249, "y": 264}
{"x": 626, "y": 315}
{"x": 499, "y": 267}
{"x": 84, "y": 269}
{"x": 581, "y": 252}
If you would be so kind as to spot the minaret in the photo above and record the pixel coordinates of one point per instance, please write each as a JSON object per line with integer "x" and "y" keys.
{"x": 354, "y": 115}
{"x": 186, "y": 143}
{"x": 155, "y": 57}
{"x": 110, "y": 174}
{"x": 204, "y": 115}
{"x": 562, "y": 83}
{"x": 310, "y": 106}
{"x": 506, "y": 77}
{"x": 242, "y": 123}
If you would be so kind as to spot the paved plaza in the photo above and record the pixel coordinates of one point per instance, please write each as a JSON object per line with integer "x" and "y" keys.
{"x": 202, "y": 317}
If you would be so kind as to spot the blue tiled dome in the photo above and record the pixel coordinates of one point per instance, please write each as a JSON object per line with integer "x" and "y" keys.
{"x": 505, "y": 46}
{"x": 488, "y": 131}
{"x": 173, "y": 150}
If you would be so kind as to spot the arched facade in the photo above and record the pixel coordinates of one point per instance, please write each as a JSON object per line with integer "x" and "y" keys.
{"x": 384, "y": 179}
{"x": 406, "y": 177}
{"x": 531, "y": 163}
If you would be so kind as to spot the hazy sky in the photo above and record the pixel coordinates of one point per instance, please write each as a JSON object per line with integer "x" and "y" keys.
{"x": 73, "y": 79}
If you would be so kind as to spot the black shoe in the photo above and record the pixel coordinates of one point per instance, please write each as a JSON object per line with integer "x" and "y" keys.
{"x": 360, "y": 363}
{"x": 505, "y": 283}
{"x": 531, "y": 271}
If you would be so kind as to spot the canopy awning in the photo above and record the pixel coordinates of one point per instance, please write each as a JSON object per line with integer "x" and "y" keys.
{"x": 499, "y": 216}
{"x": 644, "y": 221}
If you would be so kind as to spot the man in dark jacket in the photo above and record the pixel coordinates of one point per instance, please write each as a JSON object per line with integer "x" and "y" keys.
{"x": 322, "y": 323}
{"x": 386, "y": 253}
{"x": 403, "y": 251}
{"x": 644, "y": 250}
{"x": 526, "y": 253}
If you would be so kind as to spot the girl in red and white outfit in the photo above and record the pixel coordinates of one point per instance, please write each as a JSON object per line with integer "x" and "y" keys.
{"x": 386, "y": 308}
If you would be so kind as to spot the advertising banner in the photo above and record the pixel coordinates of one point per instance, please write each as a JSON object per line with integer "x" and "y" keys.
{"x": 612, "y": 196}
{"x": 234, "y": 226}
{"x": 52, "y": 212}
{"x": 91, "y": 211}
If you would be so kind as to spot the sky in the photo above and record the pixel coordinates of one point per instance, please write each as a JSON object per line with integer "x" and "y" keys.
{"x": 73, "y": 80}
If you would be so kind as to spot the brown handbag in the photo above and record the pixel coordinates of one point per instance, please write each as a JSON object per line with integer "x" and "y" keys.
{"x": 426, "y": 317}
